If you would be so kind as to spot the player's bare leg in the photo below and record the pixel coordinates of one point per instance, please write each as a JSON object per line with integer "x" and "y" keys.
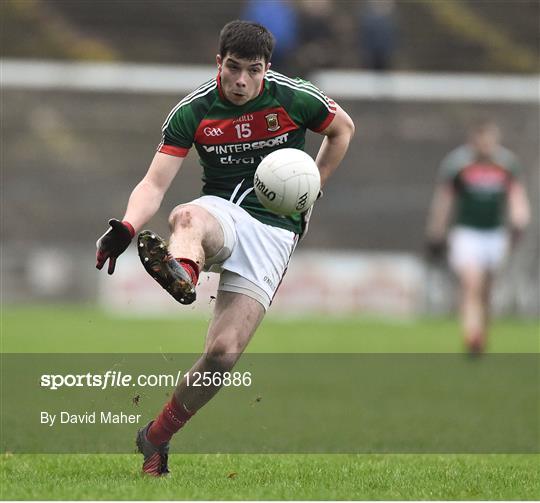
{"x": 474, "y": 307}
{"x": 196, "y": 234}
{"x": 236, "y": 318}
{"x": 486, "y": 297}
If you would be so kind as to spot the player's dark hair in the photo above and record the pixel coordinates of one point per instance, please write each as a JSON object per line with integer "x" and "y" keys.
{"x": 247, "y": 40}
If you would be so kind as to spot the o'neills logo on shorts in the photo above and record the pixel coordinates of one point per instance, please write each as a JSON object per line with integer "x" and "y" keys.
{"x": 263, "y": 189}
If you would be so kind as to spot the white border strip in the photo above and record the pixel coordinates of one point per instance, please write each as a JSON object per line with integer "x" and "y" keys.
{"x": 338, "y": 84}
{"x": 101, "y": 77}
{"x": 429, "y": 87}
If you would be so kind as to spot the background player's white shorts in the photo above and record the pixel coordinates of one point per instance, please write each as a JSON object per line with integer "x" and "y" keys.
{"x": 255, "y": 256}
{"x": 482, "y": 248}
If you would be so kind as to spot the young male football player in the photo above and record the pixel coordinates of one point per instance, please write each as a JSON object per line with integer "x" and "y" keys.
{"x": 479, "y": 180}
{"x": 233, "y": 121}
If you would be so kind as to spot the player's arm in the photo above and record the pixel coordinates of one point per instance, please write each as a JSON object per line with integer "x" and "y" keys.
{"x": 143, "y": 204}
{"x": 439, "y": 218}
{"x": 519, "y": 212}
{"x": 147, "y": 196}
{"x": 338, "y": 135}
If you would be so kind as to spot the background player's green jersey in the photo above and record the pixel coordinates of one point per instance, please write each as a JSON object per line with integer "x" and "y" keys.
{"x": 481, "y": 185}
{"x": 232, "y": 140}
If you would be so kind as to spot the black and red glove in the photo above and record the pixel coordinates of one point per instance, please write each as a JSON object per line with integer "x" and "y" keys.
{"x": 436, "y": 250}
{"x": 516, "y": 235}
{"x": 113, "y": 243}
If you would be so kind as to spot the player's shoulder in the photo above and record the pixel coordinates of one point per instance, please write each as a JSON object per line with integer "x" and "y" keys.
{"x": 279, "y": 83}
{"x": 205, "y": 93}
{"x": 195, "y": 103}
{"x": 459, "y": 157}
{"x": 505, "y": 158}
{"x": 281, "y": 79}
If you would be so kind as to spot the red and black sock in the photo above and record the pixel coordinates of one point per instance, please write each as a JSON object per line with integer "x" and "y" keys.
{"x": 190, "y": 267}
{"x": 173, "y": 416}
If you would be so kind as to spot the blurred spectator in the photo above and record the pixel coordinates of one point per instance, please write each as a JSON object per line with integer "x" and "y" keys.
{"x": 479, "y": 189}
{"x": 280, "y": 17}
{"x": 378, "y": 34}
{"x": 318, "y": 34}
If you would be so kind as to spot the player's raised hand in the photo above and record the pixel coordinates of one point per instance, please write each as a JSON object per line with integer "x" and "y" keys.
{"x": 113, "y": 243}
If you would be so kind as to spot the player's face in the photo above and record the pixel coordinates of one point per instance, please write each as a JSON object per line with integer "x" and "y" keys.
{"x": 485, "y": 142}
{"x": 241, "y": 79}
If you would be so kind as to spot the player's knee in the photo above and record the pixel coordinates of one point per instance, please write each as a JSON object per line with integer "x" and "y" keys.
{"x": 183, "y": 216}
{"x": 473, "y": 290}
{"x": 472, "y": 281}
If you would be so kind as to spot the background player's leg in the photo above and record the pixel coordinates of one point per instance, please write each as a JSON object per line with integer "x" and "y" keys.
{"x": 474, "y": 298}
{"x": 195, "y": 234}
{"x": 486, "y": 297}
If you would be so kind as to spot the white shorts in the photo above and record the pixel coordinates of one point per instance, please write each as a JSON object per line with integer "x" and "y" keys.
{"x": 486, "y": 249}
{"x": 254, "y": 257}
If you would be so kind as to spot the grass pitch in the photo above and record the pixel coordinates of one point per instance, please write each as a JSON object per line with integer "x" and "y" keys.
{"x": 253, "y": 477}
{"x": 80, "y": 330}
{"x": 270, "y": 477}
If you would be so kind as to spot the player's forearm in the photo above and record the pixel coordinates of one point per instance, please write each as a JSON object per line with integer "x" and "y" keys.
{"x": 441, "y": 210}
{"x": 518, "y": 207}
{"x": 143, "y": 204}
{"x": 437, "y": 225}
{"x": 331, "y": 153}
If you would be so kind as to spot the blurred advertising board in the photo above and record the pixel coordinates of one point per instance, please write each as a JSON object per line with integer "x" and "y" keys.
{"x": 327, "y": 283}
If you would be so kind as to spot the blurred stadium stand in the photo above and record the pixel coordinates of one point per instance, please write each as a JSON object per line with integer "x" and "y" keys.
{"x": 451, "y": 35}
{"x": 71, "y": 157}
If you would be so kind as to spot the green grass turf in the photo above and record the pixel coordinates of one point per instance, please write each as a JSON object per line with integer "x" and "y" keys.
{"x": 73, "y": 330}
{"x": 268, "y": 477}
{"x": 334, "y": 477}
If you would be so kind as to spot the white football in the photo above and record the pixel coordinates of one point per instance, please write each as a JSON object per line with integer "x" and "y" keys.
{"x": 287, "y": 181}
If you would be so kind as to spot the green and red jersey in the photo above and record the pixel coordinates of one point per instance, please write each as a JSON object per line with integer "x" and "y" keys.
{"x": 232, "y": 140}
{"x": 481, "y": 185}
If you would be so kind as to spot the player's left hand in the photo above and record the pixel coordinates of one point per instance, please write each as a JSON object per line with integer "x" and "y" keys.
{"x": 306, "y": 215}
{"x": 113, "y": 243}
{"x": 516, "y": 235}
{"x": 436, "y": 250}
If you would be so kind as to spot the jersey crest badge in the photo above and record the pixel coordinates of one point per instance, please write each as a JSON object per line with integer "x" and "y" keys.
{"x": 272, "y": 122}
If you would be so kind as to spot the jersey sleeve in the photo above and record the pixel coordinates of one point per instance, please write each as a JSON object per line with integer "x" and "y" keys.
{"x": 452, "y": 164}
{"x": 511, "y": 162}
{"x": 178, "y": 131}
{"x": 315, "y": 110}
{"x": 447, "y": 169}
